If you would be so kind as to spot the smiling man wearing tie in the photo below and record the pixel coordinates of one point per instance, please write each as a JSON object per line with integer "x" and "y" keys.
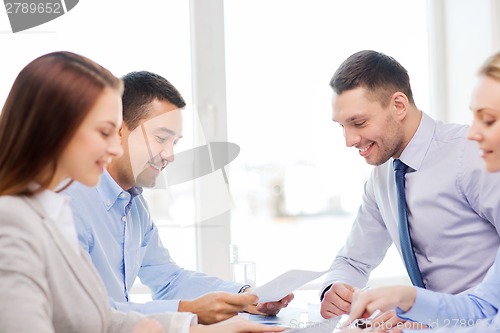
{"x": 427, "y": 192}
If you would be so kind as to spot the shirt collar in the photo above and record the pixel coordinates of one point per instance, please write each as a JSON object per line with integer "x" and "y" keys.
{"x": 52, "y": 202}
{"x": 414, "y": 153}
{"x": 135, "y": 191}
{"x": 110, "y": 191}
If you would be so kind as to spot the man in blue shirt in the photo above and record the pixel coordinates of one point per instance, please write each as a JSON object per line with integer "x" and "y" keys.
{"x": 450, "y": 197}
{"x": 115, "y": 227}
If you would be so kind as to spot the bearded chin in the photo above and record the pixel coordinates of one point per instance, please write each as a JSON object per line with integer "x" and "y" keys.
{"x": 392, "y": 151}
{"x": 145, "y": 180}
{"x": 387, "y": 153}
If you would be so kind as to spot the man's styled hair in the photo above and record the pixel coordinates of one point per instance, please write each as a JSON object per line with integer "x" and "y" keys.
{"x": 142, "y": 88}
{"x": 380, "y": 74}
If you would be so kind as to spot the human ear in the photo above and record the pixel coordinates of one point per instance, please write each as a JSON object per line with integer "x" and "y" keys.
{"x": 124, "y": 129}
{"x": 399, "y": 103}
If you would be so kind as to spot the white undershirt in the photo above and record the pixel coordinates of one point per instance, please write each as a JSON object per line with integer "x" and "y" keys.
{"x": 57, "y": 207}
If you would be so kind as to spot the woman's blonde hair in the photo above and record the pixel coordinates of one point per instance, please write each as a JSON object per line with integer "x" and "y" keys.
{"x": 491, "y": 67}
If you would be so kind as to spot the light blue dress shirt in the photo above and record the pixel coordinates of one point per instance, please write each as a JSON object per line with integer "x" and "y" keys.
{"x": 453, "y": 213}
{"x": 479, "y": 306}
{"x": 123, "y": 247}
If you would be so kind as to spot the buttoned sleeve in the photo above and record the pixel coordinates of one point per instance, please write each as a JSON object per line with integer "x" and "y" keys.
{"x": 440, "y": 310}
{"x": 366, "y": 244}
{"x": 123, "y": 248}
{"x": 168, "y": 281}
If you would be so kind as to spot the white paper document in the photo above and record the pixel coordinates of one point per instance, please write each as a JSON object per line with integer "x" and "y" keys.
{"x": 284, "y": 284}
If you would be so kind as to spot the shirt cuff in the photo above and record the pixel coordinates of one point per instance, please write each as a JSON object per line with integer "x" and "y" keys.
{"x": 246, "y": 287}
{"x": 424, "y": 310}
{"x": 159, "y": 306}
{"x": 191, "y": 321}
{"x": 322, "y": 293}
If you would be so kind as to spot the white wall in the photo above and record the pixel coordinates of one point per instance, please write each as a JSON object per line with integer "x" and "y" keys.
{"x": 463, "y": 34}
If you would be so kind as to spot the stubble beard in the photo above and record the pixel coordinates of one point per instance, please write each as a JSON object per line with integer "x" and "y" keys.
{"x": 389, "y": 145}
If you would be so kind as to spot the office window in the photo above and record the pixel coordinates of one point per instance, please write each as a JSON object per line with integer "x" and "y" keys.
{"x": 296, "y": 186}
{"x": 123, "y": 36}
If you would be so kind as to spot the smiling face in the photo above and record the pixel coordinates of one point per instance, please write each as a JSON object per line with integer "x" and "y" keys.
{"x": 149, "y": 147}
{"x": 485, "y": 128}
{"x": 94, "y": 144}
{"x": 368, "y": 126}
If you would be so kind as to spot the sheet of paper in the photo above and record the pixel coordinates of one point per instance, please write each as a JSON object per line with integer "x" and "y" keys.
{"x": 284, "y": 284}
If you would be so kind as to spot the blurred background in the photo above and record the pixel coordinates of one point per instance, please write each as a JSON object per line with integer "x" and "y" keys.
{"x": 256, "y": 73}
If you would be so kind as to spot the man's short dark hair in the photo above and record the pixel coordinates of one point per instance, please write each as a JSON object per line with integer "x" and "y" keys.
{"x": 380, "y": 74}
{"x": 142, "y": 88}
